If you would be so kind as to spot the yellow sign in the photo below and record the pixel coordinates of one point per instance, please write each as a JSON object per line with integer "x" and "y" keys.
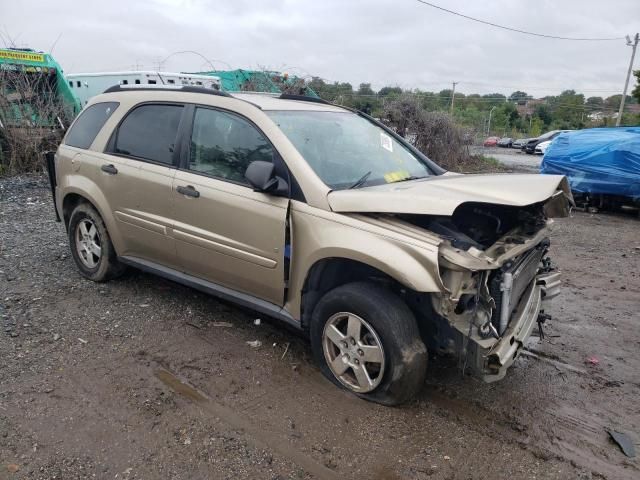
{"x": 396, "y": 176}
{"x": 22, "y": 56}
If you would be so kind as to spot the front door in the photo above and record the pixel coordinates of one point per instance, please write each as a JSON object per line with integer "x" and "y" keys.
{"x": 225, "y": 232}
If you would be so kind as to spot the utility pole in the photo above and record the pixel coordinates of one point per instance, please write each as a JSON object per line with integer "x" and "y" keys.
{"x": 453, "y": 95}
{"x": 489, "y": 125}
{"x": 633, "y": 44}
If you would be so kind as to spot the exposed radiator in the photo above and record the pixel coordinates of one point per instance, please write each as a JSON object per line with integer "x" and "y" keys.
{"x": 509, "y": 283}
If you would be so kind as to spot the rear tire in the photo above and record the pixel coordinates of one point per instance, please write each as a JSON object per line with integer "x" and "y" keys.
{"x": 91, "y": 246}
{"x": 365, "y": 339}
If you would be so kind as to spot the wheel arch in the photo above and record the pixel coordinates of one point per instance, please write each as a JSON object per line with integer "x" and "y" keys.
{"x": 73, "y": 196}
{"x": 332, "y": 271}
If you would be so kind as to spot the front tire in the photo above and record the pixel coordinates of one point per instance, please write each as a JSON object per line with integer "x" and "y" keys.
{"x": 91, "y": 245}
{"x": 365, "y": 339}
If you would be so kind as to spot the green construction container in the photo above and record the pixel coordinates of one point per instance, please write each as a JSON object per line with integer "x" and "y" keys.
{"x": 27, "y": 63}
{"x": 260, "y": 81}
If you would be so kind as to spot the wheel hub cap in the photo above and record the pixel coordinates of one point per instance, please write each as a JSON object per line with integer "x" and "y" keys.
{"x": 353, "y": 352}
{"x": 88, "y": 243}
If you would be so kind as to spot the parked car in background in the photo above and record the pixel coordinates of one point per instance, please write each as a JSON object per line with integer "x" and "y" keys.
{"x": 541, "y": 148}
{"x": 519, "y": 143}
{"x": 376, "y": 254}
{"x": 490, "y": 142}
{"x": 530, "y": 147}
{"x": 505, "y": 142}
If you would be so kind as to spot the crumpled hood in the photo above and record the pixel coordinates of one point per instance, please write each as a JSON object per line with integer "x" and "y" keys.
{"x": 441, "y": 195}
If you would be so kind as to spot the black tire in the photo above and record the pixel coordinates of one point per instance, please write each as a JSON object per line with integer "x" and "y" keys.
{"x": 405, "y": 355}
{"x": 107, "y": 266}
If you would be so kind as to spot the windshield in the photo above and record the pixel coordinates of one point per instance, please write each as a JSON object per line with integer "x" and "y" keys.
{"x": 348, "y": 151}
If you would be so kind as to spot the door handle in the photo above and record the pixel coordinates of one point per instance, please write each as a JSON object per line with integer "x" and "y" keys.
{"x": 188, "y": 191}
{"x": 109, "y": 168}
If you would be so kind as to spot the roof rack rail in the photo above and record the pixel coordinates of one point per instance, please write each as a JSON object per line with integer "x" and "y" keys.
{"x": 304, "y": 98}
{"x": 175, "y": 88}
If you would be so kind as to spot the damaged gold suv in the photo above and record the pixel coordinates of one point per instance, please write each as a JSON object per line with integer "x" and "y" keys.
{"x": 318, "y": 216}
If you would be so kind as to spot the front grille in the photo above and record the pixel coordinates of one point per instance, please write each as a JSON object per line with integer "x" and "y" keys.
{"x": 508, "y": 284}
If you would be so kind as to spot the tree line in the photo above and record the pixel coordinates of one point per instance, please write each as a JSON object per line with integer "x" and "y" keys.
{"x": 516, "y": 115}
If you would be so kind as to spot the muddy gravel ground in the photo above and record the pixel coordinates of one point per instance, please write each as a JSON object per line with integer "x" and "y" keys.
{"x": 141, "y": 378}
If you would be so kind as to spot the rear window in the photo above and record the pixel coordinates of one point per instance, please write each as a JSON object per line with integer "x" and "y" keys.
{"x": 149, "y": 132}
{"x": 91, "y": 120}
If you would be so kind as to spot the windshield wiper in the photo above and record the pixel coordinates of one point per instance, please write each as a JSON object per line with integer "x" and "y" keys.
{"x": 360, "y": 181}
{"x": 412, "y": 177}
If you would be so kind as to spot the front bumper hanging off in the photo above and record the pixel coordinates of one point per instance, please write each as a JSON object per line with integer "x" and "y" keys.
{"x": 490, "y": 359}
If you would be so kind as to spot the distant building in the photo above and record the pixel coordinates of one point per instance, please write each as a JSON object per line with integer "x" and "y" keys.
{"x": 529, "y": 106}
{"x": 632, "y": 108}
{"x": 599, "y": 115}
{"x": 87, "y": 85}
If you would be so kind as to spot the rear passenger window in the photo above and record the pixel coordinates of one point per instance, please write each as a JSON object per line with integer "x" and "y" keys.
{"x": 86, "y": 127}
{"x": 223, "y": 145}
{"x": 149, "y": 132}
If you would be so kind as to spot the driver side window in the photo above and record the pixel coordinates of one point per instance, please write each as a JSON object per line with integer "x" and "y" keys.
{"x": 222, "y": 145}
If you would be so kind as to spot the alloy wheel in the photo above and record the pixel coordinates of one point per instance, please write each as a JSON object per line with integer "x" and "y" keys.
{"x": 353, "y": 352}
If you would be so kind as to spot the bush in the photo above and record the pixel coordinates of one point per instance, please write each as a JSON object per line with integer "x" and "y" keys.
{"x": 435, "y": 134}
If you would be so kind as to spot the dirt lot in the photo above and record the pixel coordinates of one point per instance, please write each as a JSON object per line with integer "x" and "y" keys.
{"x": 143, "y": 378}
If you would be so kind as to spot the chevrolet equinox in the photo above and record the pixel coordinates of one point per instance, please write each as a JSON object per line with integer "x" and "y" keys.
{"x": 316, "y": 215}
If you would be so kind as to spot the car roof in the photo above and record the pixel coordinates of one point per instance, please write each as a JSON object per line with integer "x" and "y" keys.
{"x": 273, "y": 102}
{"x": 264, "y": 101}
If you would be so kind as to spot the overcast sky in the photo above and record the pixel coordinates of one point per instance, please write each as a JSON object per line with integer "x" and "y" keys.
{"x": 385, "y": 42}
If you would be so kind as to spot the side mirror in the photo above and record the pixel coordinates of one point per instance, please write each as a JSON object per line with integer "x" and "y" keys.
{"x": 262, "y": 177}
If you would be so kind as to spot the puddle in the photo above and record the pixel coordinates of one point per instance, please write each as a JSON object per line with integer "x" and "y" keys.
{"x": 178, "y": 386}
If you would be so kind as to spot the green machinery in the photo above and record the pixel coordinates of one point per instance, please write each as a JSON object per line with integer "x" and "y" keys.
{"x": 261, "y": 81}
{"x": 33, "y": 90}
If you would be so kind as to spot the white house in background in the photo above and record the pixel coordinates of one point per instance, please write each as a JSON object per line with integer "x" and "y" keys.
{"x": 87, "y": 85}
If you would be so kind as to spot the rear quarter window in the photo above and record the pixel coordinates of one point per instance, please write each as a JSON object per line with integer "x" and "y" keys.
{"x": 91, "y": 120}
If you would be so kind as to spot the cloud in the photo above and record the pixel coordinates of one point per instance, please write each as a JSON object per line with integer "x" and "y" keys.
{"x": 383, "y": 42}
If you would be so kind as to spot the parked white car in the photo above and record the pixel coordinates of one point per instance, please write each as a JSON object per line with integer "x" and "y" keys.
{"x": 542, "y": 147}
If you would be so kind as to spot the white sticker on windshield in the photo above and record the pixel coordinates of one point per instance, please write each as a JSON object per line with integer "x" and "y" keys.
{"x": 386, "y": 142}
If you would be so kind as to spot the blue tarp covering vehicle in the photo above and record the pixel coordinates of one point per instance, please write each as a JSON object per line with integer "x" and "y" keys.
{"x": 598, "y": 161}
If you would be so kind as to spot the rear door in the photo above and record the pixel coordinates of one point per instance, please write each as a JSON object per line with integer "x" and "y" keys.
{"x": 76, "y": 145}
{"x": 225, "y": 232}
{"x": 136, "y": 174}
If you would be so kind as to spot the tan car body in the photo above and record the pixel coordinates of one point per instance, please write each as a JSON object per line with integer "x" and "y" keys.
{"x": 230, "y": 241}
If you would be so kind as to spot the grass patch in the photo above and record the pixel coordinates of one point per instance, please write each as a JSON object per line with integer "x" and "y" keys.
{"x": 479, "y": 164}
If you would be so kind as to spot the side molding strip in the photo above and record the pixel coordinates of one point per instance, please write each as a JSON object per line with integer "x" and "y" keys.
{"x": 225, "y": 293}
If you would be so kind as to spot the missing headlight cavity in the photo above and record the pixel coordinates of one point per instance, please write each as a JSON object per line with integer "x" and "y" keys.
{"x": 480, "y": 225}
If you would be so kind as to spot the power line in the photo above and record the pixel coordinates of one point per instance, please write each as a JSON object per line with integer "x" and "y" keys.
{"x": 584, "y": 39}
{"x": 210, "y": 62}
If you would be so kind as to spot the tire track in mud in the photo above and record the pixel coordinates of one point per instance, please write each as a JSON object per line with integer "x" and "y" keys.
{"x": 311, "y": 388}
{"x": 546, "y": 440}
{"x": 253, "y": 434}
